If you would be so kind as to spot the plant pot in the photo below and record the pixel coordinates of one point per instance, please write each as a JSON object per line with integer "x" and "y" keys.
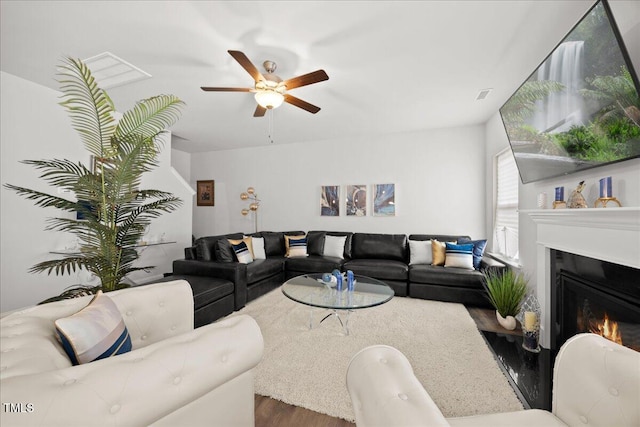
{"x": 509, "y": 323}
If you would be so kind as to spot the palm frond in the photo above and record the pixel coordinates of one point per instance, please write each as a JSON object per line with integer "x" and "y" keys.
{"x": 43, "y": 199}
{"x": 149, "y": 117}
{"x": 90, "y": 108}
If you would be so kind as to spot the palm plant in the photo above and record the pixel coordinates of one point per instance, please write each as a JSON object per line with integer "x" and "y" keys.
{"x": 506, "y": 290}
{"x": 108, "y": 195}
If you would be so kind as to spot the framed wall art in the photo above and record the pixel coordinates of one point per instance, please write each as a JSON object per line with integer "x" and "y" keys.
{"x": 206, "y": 193}
{"x": 356, "y": 200}
{"x": 384, "y": 201}
{"x": 330, "y": 200}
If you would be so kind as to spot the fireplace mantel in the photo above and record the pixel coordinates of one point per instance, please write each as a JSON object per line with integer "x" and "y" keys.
{"x": 610, "y": 234}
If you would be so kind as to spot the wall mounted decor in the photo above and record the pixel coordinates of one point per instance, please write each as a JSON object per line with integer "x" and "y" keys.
{"x": 206, "y": 193}
{"x": 356, "y": 200}
{"x": 330, "y": 200}
{"x": 384, "y": 202}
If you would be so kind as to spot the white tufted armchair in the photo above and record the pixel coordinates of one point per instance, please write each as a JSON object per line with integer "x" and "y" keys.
{"x": 595, "y": 383}
{"x": 174, "y": 376}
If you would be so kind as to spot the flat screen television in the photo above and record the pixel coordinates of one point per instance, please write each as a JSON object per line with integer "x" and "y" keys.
{"x": 580, "y": 108}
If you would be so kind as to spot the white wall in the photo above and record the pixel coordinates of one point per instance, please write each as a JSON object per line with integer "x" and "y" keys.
{"x": 34, "y": 126}
{"x": 439, "y": 178}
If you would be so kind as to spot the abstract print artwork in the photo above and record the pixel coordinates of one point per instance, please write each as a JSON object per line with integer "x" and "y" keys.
{"x": 330, "y": 200}
{"x": 356, "y": 200}
{"x": 384, "y": 203}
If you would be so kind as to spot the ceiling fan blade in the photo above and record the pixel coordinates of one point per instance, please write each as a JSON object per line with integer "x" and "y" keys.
{"x": 301, "y": 104}
{"x": 306, "y": 79}
{"x": 246, "y": 64}
{"x": 260, "y": 111}
{"x": 225, "y": 89}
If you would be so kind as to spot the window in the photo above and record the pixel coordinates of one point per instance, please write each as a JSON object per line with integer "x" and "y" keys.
{"x": 505, "y": 217}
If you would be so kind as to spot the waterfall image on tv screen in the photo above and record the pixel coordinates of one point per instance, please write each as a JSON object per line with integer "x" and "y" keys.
{"x": 580, "y": 108}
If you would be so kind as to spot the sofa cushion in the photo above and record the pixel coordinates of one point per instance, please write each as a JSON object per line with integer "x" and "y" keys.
{"x": 315, "y": 242}
{"x": 456, "y": 277}
{"x": 274, "y": 241}
{"x": 296, "y": 239}
{"x": 459, "y": 256}
{"x": 379, "y": 268}
{"x": 205, "y": 246}
{"x": 263, "y": 268}
{"x": 95, "y": 332}
{"x": 379, "y": 246}
{"x": 314, "y": 264}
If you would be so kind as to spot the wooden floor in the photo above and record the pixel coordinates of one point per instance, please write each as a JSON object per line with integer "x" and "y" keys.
{"x": 272, "y": 413}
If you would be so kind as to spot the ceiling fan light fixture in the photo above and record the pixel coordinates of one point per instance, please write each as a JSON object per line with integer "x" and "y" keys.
{"x": 269, "y": 98}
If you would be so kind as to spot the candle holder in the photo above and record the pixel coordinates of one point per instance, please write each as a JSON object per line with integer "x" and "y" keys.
{"x": 529, "y": 318}
{"x": 604, "y": 200}
{"x": 558, "y": 202}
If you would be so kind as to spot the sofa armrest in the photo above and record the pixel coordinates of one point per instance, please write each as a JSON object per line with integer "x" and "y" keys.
{"x": 139, "y": 387}
{"x": 232, "y": 271}
{"x": 489, "y": 263}
{"x": 385, "y": 392}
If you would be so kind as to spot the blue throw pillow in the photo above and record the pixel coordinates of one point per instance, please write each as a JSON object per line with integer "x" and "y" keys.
{"x": 95, "y": 332}
{"x": 459, "y": 256}
{"x": 478, "y": 250}
{"x": 297, "y": 248}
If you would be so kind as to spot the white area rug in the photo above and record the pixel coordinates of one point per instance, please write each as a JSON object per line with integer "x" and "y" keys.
{"x": 308, "y": 368}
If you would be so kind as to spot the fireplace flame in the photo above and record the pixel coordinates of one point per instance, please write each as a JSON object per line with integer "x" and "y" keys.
{"x": 608, "y": 329}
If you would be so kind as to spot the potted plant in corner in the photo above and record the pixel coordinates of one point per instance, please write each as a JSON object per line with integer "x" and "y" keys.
{"x": 108, "y": 198}
{"x": 506, "y": 291}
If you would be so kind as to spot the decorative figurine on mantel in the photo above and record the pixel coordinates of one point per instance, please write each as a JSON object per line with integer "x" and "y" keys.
{"x": 576, "y": 199}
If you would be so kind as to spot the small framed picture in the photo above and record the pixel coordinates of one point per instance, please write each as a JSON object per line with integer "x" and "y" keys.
{"x": 206, "y": 193}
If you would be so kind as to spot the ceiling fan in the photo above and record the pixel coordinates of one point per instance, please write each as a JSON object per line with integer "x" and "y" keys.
{"x": 270, "y": 90}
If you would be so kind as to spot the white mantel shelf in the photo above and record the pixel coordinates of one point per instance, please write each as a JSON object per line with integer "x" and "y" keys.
{"x": 605, "y": 218}
{"x": 610, "y": 234}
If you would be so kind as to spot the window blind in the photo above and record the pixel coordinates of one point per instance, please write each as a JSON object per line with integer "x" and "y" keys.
{"x": 505, "y": 228}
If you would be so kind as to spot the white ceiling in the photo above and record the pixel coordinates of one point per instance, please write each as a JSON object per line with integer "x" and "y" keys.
{"x": 393, "y": 66}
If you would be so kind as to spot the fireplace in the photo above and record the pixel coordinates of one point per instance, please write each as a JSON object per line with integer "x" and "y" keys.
{"x": 591, "y": 295}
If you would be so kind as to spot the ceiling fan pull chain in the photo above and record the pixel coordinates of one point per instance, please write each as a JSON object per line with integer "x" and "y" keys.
{"x": 271, "y": 112}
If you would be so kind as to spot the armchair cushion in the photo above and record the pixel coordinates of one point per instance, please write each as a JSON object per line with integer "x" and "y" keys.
{"x": 95, "y": 332}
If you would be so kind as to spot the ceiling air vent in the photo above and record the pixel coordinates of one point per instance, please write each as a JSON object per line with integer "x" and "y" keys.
{"x": 483, "y": 94}
{"x": 111, "y": 71}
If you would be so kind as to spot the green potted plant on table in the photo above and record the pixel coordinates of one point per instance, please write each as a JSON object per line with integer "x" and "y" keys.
{"x": 108, "y": 198}
{"x": 506, "y": 291}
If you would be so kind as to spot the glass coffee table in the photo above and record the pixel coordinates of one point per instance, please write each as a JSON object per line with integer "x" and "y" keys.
{"x": 309, "y": 289}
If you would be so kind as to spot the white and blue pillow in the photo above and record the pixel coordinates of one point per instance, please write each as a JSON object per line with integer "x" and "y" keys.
{"x": 95, "y": 332}
{"x": 297, "y": 247}
{"x": 459, "y": 256}
{"x": 242, "y": 252}
{"x": 478, "y": 250}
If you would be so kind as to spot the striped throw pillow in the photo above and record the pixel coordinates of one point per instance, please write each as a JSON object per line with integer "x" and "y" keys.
{"x": 95, "y": 332}
{"x": 242, "y": 253}
{"x": 459, "y": 256}
{"x": 297, "y": 247}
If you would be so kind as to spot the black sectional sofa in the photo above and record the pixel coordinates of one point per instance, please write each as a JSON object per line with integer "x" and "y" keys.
{"x": 210, "y": 266}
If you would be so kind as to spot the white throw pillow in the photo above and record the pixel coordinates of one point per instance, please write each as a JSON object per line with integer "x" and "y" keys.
{"x": 334, "y": 246}
{"x": 258, "y": 248}
{"x": 420, "y": 251}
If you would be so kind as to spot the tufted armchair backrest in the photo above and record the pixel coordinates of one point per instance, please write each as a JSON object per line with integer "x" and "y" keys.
{"x": 152, "y": 313}
{"x": 597, "y": 383}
